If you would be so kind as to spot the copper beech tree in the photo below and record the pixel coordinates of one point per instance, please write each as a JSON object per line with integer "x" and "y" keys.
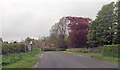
{"x": 77, "y": 32}
{"x": 74, "y": 29}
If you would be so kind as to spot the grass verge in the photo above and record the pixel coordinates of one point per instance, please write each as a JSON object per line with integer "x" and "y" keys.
{"x": 0, "y": 62}
{"x": 21, "y": 60}
{"x": 97, "y": 56}
{"x": 27, "y": 61}
{"x": 106, "y": 58}
{"x": 76, "y": 52}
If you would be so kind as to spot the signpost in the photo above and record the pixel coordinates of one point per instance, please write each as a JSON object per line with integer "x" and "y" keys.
{"x": 29, "y": 46}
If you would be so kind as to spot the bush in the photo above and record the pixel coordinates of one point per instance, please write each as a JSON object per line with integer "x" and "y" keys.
{"x": 12, "y": 48}
{"x": 13, "y": 58}
{"x": 110, "y": 50}
{"x": 84, "y": 50}
{"x": 35, "y": 50}
{"x": 48, "y": 49}
{"x": 77, "y": 50}
{"x": 60, "y": 49}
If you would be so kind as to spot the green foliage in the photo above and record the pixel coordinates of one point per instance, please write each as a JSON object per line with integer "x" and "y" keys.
{"x": 20, "y": 60}
{"x": 111, "y": 50}
{"x": 107, "y": 53}
{"x": 12, "y": 48}
{"x": 11, "y": 58}
{"x": 53, "y": 49}
{"x": 74, "y": 49}
{"x": 36, "y": 50}
{"x": 107, "y": 58}
{"x": 103, "y": 29}
{"x": 26, "y": 61}
{"x": 81, "y": 50}
{"x": 117, "y": 26}
{"x": 54, "y": 40}
{"x": 49, "y": 49}
{"x": 58, "y": 34}
{"x": 60, "y": 49}
{"x": 0, "y": 61}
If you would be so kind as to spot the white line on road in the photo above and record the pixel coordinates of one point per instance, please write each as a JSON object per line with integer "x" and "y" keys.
{"x": 37, "y": 62}
{"x": 41, "y": 55}
{"x": 81, "y": 55}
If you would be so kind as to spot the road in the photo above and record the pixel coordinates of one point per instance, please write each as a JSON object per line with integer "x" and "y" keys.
{"x": 61, "y": 60}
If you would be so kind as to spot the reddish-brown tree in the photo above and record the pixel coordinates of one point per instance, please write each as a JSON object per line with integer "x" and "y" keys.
{"x": 77, "y": 30}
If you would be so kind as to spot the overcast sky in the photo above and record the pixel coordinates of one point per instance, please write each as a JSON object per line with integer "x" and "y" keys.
{"x": 34, "y": 18}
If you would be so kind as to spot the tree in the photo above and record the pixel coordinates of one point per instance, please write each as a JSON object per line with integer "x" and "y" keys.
{"x": 102, "y": 29}
{"x": 58, "y": 32}
{"x": 117, "y": 25}
{"x": 92, "y": 35}
{"x": 54, "y": 35}
{"x": 78, "y": 29}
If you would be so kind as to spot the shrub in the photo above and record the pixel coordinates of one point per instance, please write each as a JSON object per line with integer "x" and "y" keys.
{"x": 110, "y": 50}
{"x": 60, "y": 49}
{"x": 77, "y": 50}
{"x": 11, "y": 58}
{"x": 12, "y": 48}
{"x": 48, "y": 49}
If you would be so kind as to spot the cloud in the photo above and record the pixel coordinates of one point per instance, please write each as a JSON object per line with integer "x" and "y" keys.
{"x": 34, "y": 18}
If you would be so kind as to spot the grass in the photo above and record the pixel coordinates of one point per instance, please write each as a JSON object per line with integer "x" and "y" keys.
{"x": 0, "y": 62}
{"x": 27, "y": 61}
{"x": 76, "y": 52}
{"x": 98, "y": 56}
{"x": 107, "y": 58}
{"x": 21, "y": 60}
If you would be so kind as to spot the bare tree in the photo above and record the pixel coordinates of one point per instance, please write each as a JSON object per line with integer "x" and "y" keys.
{"x": 58, "y": 32}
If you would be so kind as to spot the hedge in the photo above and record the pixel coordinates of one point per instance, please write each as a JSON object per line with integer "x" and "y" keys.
{"x": 14, "y": 58}
{"x": 12, "y": 48}
{"x": 48, "y": 49}
{"x": 85, "y": 50}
